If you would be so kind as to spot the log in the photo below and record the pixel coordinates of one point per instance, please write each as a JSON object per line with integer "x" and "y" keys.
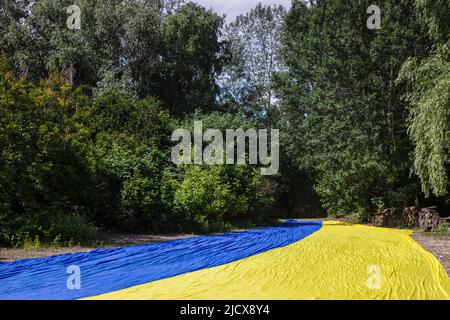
{"x": 427, "y": 219}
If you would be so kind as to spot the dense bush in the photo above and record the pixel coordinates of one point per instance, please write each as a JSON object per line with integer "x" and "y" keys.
{"x": 43, "y": 151}
{"x": 69, "y": 160}
{"x": 212, "y": 196}
{"x": 130, "y": 148}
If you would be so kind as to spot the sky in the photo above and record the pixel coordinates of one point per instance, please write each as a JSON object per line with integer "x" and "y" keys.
{"x": 233, "y": 8}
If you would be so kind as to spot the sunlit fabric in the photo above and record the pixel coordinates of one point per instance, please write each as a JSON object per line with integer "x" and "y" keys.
{"x": 341, "y": 261}
{"x": 109, "y": 270}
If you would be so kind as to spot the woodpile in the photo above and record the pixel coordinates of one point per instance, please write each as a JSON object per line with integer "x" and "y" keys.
{"x": 411, "y": 215}
{"x": 426, "y": 219}
{"x": 391, "y": 218}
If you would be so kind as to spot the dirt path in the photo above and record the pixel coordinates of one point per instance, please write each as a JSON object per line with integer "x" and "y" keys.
{"x": 109, "y": 241}
{"x": 439, "y": 246}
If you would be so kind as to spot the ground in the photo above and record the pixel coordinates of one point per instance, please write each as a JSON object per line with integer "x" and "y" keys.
{"x": 108, "y": 241}
{"x": 437, "y": 244}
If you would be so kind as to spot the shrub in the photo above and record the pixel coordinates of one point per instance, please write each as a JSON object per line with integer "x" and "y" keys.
{"x": 71, "y": 228}
{"x": 43, "y": 152}
{"x": 212, "y": 196}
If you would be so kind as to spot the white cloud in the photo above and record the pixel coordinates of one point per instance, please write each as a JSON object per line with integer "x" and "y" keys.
{"x": 232, "y": 8}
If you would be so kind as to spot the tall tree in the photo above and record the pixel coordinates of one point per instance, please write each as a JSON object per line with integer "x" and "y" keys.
{"x": 429, "y": 124}
{"x": 130, "y": 42}
{"x": 192, "y": 57}
{"x": 342, "y": 107}
{"x": 118, "y": 44}
{"x": 255, "y": 41}
{"x": 428, "y": 85}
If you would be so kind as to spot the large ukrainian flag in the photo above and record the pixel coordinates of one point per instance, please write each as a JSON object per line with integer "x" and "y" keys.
{"x": 295, "y": 260}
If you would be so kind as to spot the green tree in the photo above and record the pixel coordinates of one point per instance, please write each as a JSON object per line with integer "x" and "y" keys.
{"x": 130, "y": 151}
{"x": 193, "y": 56}
{"x": 211, "y": 196}
{"x": 254, "y": 41}
{"x": 43, "y": 159}
{"x": 429, "y": 124}
{"x": 118, "y": 45}
{"x": 341, "y": 105}
{"x": 144, "y": 48}
{"x": 428, "y": 93}
{"x": 434, "y": 13}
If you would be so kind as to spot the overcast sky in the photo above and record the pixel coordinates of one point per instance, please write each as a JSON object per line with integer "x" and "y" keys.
{"x": 232, "y": 8}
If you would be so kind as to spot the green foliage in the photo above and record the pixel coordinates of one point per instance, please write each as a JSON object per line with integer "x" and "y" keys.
{"x": 31, "y": 244}
{"x": 434, "y": 13}
{"x": 254, "y": 43}
{"x": 43, "y": 153}
{"x": 69, "y": 160}
{"x": 220, "y": 121}
{"x": 71, "y": 228}
{"x": 127, "y": 182}
{"x": 212, "y": 195}
{"x": 55, "y": 230}
{"x": 208, "y": 198}
{"x": 151, "y": 47}
{"x": 118, "y": 44}
{"x": 193, "y": 56}
{"x": 429, "y": 124}
{"x": 341, "y": 105}
{"x": 442, "y": 229}
{"x": 131, "y": 145}
{"x": 86, "y": 116}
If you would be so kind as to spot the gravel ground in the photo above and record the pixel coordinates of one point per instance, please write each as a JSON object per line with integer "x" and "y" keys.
{"x": 439, "y": 245}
